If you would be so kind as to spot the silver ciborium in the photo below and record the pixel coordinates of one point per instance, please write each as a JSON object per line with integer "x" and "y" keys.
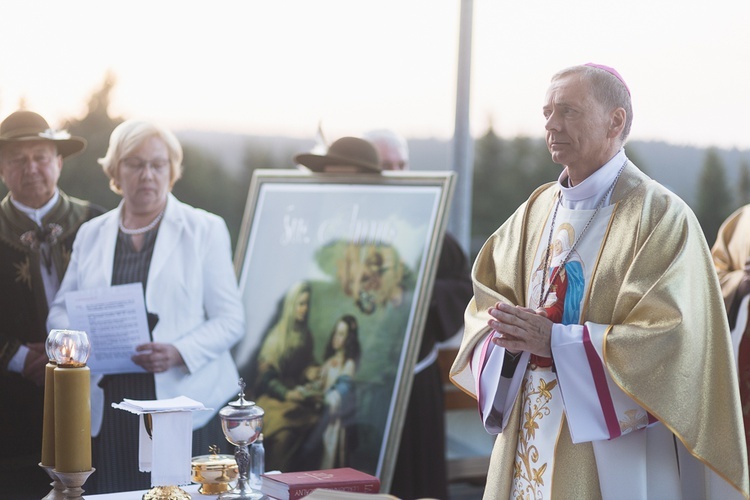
{"x": 241, "y": 421}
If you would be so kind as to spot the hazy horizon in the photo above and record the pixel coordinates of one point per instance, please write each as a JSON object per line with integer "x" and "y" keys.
{"x": 280, "y": 68}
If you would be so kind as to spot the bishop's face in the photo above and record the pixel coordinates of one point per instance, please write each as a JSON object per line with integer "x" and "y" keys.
{"x": 578, "y": 127}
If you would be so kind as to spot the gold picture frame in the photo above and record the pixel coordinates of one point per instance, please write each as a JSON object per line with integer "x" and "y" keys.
{"x": 321, "y": 252}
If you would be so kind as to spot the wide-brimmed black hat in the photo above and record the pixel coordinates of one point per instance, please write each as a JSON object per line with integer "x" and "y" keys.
{"x": 348, "y": 154}
{"x": 30, "y": 126}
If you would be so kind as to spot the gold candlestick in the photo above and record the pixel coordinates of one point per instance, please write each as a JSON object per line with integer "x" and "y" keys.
{"x": 57, "y": 487}
{"x": 73, "y": 482}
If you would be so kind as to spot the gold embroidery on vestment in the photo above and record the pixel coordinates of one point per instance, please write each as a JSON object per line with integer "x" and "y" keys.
{"x": 529, "y": 475}
{"x": 635, "y": 419}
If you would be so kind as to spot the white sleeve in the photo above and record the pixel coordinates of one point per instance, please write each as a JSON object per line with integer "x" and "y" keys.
{"x": 495, "y": 393}
{"x": 596, "y": 408}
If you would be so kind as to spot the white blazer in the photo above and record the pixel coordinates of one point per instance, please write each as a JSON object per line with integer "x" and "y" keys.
{"x": 193, "y": 289}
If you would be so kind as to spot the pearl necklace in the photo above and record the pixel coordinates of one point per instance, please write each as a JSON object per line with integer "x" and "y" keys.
{"x": 542, "y": 294}
{"x": 143, "y": 229}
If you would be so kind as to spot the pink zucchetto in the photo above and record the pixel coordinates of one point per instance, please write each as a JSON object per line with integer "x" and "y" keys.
{"x": 611, "y": 71}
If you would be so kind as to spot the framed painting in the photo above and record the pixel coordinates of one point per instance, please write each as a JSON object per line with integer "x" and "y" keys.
{"x": 336, "y": 274}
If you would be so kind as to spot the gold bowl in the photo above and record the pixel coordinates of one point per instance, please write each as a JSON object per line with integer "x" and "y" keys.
{"x": 214, "y": 473}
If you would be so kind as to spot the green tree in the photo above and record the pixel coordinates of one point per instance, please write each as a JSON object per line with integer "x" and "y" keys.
{"x": 534, "y": 161}
{"x": 209, "y": 185}
{"x": 82, "y": 176}
{"x": 505, "y": 173}
{"x": 206, "y": 183}
{"x": 486, "y": 193}
{"x": 714, "y": 197}
{"x": 743, "y": 186}
{"x": 256, "y": 156}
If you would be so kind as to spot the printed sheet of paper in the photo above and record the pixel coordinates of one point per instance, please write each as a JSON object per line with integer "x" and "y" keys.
{"x": 115, "y": 320}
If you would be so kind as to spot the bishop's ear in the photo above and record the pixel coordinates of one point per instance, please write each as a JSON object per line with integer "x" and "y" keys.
{"x": 617, "y": 122}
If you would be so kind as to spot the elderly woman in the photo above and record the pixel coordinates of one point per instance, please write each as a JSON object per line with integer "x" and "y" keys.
{"x": 182, "y": 256}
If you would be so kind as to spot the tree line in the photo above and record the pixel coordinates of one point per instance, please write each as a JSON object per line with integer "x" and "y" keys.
{"x": 505, "y": 172}
{"x": 205, "y": 182}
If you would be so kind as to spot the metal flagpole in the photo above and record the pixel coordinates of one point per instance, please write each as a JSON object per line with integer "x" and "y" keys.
{"x": 459, "y": 222}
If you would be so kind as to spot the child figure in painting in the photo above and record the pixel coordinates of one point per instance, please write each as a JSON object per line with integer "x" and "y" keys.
{"x": 373, "y": 275}
{"x": 333, "y": 439}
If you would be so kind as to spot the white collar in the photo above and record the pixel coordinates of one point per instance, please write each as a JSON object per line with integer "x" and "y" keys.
{"x": 586, "y": 194}
{"x": 37, "y": 214}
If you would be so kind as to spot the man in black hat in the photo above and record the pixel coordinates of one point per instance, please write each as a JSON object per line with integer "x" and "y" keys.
{"x": 38, "y": 223}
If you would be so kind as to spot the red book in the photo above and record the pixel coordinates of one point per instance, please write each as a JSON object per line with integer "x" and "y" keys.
{"x": 293, "y": 485}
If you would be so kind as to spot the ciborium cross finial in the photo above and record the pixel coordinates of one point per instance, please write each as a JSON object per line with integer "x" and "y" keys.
{"x": 241, "y": 383}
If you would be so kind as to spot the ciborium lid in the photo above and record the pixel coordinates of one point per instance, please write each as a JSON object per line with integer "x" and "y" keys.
{"x": 241, "y": 405}
{"x": 241, "y": 402}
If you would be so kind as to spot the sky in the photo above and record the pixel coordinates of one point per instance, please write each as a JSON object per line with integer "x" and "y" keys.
{"x": 282, "y": 67}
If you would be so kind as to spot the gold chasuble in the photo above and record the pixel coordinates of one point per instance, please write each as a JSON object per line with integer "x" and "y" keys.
{"x": 652, "y": 289}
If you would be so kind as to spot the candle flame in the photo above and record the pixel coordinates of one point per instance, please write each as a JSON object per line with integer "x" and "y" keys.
{"x": 71, "y": 348}
{"x": 68, "y": 350}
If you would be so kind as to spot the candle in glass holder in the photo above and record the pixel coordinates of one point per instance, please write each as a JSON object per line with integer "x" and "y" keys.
{"x": 72, "y": 403}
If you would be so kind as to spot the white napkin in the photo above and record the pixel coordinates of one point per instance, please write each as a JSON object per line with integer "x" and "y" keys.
{"x": 167, "y": 454}
{"x": 180, "y": 403}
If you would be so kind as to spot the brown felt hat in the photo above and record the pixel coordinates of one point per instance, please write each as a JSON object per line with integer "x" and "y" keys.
{"x": 29, "y": 126}
{"x": 352, "y": 153}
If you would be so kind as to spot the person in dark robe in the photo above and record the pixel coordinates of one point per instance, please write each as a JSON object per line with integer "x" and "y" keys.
{"x": 421, "y": 469}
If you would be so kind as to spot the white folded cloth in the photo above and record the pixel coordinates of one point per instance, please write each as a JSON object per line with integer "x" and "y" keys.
{"x": 167, "y": 452}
